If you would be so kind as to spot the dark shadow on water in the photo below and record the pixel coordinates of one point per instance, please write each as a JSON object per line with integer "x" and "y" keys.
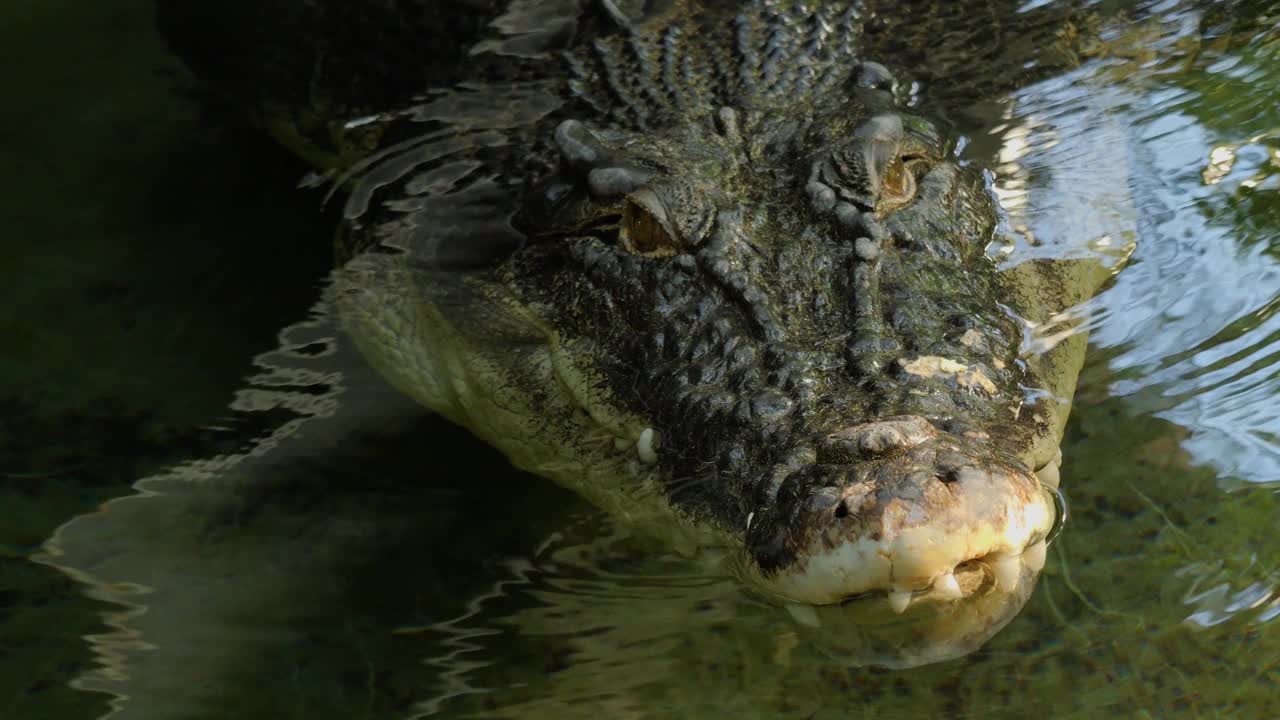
{"x": 152, "y": 247}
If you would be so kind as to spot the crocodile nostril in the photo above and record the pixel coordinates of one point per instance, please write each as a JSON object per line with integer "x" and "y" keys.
{"x": 949, "y": 475}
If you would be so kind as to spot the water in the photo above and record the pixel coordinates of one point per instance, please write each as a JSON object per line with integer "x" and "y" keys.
{"x": 306, "y": 543}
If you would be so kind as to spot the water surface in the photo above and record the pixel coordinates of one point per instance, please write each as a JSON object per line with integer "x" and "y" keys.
{"x": 301, "y": 542}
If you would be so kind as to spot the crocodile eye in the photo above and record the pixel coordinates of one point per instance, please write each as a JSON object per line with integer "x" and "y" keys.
{"x": 646, "y": 227}
{"x": 898, "y": 187}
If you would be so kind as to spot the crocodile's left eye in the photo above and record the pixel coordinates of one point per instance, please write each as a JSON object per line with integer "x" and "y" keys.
{"x": 898, "y": 186}
{"x": 646, "y": 225}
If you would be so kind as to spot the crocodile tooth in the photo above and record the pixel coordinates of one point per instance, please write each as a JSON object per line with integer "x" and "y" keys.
{"x": 947, "y": 587}
{"x": 804, "y": 614}
{"x": 899, "y": 600}
{"x": 645, "y": 447}
{"x": 1034, "y": 556}
{"x": 750, "y": 516}
{"x": 1008, "y": 570}
{"x": 1057, "y": 458}
{"x": 1049, "y": 475}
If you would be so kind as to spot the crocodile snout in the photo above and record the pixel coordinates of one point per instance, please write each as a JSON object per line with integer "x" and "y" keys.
{"x": 898, "y": 507}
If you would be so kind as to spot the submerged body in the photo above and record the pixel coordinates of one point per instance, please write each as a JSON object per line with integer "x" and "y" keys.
{"x": 706, "y": 269}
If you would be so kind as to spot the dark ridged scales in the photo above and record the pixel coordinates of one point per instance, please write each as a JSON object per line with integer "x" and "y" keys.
{"x": 795, "y": 299}
{"x": 773, "y": 331}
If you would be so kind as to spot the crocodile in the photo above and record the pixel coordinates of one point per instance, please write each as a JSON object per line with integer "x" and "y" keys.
{"x": 710, "y": 266}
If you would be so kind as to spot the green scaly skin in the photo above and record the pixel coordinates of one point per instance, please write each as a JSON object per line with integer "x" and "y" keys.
{"x": 707, "y": 269}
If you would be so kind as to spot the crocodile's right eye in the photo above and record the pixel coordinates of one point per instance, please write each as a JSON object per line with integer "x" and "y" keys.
{"x": 646, "y": 226}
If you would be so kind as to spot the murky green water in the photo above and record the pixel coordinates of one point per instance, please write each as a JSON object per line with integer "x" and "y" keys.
{"x": 304, "y": 543}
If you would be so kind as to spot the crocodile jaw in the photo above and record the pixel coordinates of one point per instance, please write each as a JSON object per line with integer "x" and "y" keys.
{"x": 931, "y": 562}
{"x": 900, "y": 508}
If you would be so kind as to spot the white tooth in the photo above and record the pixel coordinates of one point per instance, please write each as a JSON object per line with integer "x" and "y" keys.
{"x": 750, "y": 516}
{"x": 947, "y": 587}
{"x": 899, "y": 600}
{"x": 1008, "y": 570}
{"x": 1049, "y": 475}
{"x": 1057, "y": 458}
{"x": 622, "y": 444}
{"x": 804, "y": 614}
{"x": 1034, "y": 556}
{"x": 645, "y": 447}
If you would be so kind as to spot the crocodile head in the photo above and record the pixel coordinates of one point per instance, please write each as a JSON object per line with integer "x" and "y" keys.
{"x": 777, "y": 323}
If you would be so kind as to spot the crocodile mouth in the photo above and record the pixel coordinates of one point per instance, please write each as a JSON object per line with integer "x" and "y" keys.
{"x": 924, "y": 562}
{"x": 905, "y": 514}
{"x": 952, "y": 617}
{"x": 993, "y": 572}
{"x": 865, "y": 571}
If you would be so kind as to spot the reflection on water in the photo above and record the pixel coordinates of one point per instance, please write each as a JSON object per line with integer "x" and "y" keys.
{"x": 366, "y": 561}
{"x": 1193, "y": 326}
{"x": 1186, "y": 180}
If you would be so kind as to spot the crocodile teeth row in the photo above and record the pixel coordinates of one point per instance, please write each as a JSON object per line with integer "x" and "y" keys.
{"x": 1006, "y": 568}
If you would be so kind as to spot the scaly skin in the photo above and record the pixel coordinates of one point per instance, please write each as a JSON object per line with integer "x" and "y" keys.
{"x": 715, "y": 277}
